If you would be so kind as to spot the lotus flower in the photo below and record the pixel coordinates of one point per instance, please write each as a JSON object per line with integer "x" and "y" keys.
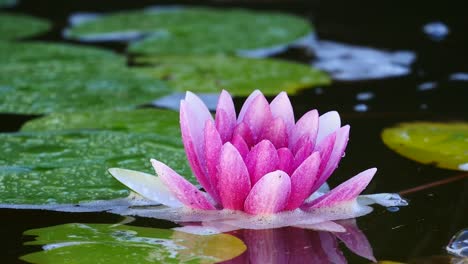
{"x": 255, "y": 164}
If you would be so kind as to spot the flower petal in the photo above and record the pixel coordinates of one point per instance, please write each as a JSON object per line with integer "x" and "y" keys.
{"x": 243, "y": 130}
{"x": 239, "y": 143}
{"x": 213, "y": 146}
{"x": 192, "y": 137}
{"x": 181, "y": 188}
{"x": 247, "y": 104}
{"x": 328, "y": 123}
{"x": 257, "y": 115}
{"x": 302, "y": 181}
{"x": 233, "y": 178}
{"x": 304, "y": 151}
{"x": 276, "y": 132}
{"x": 341, "y": 140}
{"x": 347, "y": 191}
{"x": 147, "y": 185}
{"x": 286, "y": 160}
{"x": 261, "y": 160}
{"x": 281, "y": 107}
{"x": 225, "y": 116}
{"x": 269, "y": 195}
{"x": 308, "y": 126}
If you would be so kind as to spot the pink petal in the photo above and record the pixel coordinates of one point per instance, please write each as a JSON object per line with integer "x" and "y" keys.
{"x": 276, "y": 132}
{"x": 261, "y": 160}
{"x": 302, "y": 181}
{"x": 240, "y": 145}
{"x": 347, "y": 191}
{"x": 328, "y": 123}
{"x": 181, "y": 188}
{"x": 325, "y": 148}
{"x": 356, "y": 240}
{"x": 258, "y": 114}
{"x": 281, "y": 107}
{"x": 247, "y": 104}
{"x": 192, "y": 137}
{"x": 243, "y": 130}
{"x": 269, "y": 195}
{"x": 341, "y": 140}
{"x": 307, "y": 125}
{"x": 286, "y": 160}
{"x": 213, "y": 146}
{"x": 233, "y": 178}
{"x": 225, "y": 116}
{"x": 303, "y": 152}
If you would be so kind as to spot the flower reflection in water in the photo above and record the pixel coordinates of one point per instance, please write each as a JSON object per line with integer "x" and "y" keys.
{"x": 295, "y": 245}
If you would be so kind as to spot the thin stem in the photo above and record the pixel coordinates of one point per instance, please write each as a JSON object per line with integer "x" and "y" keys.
{"x": 434, "y": 184}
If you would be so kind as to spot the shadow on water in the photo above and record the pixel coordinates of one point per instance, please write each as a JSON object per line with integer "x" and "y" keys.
{"x": 435, "y": 214}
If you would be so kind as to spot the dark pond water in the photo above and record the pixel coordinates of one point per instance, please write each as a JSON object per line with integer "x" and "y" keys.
{"x": 420, "y": 230}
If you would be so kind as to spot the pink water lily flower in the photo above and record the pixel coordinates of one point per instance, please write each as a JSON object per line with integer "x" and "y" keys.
{"x": 255, "y": 164}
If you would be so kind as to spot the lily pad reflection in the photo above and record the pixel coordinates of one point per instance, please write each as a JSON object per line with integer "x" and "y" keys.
{"x": 87, "y": 243}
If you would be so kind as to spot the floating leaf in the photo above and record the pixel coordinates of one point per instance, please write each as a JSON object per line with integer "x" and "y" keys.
{"x": 194, "y": 30}
{"x": 86, "y": 243}
{"x": 162, "y": 122}
{"x": 33, "y": 52}
{"x": 444, "y": 144}
{"x": 211, "y": 74}
{"x": 56, "y": 86}
{"x": 14, "y": 26}
{"x": 71, "y": 167}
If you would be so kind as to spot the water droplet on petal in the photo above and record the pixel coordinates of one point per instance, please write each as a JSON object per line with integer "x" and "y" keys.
{"x": 458, "y": 245}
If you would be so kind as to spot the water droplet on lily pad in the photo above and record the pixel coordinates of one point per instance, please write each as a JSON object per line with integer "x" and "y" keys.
{"x": 442, "y": 144}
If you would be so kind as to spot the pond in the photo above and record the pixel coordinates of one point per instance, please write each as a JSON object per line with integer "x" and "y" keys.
{"x": 388, "y": 64}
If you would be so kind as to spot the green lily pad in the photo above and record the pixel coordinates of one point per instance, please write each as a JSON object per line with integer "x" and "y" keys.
{"x": 58, "y": 86}
{"x": 14, "y": 26}
{"x": 442, "y": 144}
{"x": 89, "y": 243}
{"x": 195, "y": 30}
{"x": 71, "y": 167}
{"x": 240, "y": 76}
{"x": 33, "y": 52}
{"x": 163, "y": 122}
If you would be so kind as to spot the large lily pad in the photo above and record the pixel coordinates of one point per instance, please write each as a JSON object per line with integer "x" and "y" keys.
{"x": 162, "y": 122}
{"x": 88, "y": 243}
{"x": 14, "y": 26}
{"x": 57, "y": 86}
{"x": 442, "y": 144}
{"x": 240, "y": 76}
{"x": 32, "y": 52}
{"x": 71, "y": 167}
{"x": 194, "y": 30}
